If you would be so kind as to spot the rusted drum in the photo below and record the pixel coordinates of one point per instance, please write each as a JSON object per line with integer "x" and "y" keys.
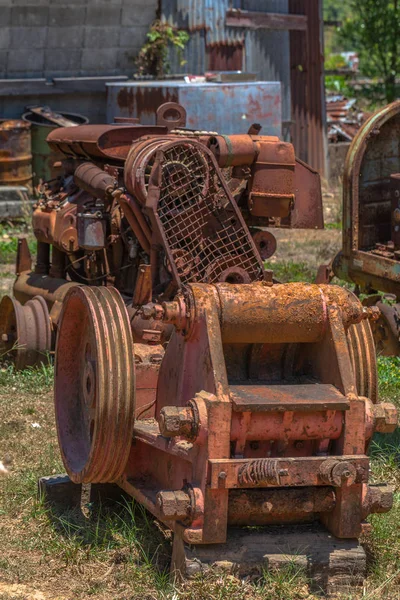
{"x": 15, "y": 153}
{"x": 94, "y": 384}
{"x": 43, "y": 157}
{"x": 363, "y": 357}
{"x": 25, "y": 331}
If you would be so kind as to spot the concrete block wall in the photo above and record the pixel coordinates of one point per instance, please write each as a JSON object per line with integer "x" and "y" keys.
{"x": 50, "y": 38}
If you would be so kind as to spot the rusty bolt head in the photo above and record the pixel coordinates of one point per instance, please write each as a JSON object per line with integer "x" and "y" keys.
{"x": 343, "y": 473}
{"x": 151, "y": 311}
{"x": 385, "y": 415}
{"x": 174, "y": 506}
{"x": 176, "y": 420}
{"x": 371, "y": 312}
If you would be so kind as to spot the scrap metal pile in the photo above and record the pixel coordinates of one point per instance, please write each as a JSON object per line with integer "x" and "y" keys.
{"x": 210, "y": 393}
{"x": 343, "y": 118}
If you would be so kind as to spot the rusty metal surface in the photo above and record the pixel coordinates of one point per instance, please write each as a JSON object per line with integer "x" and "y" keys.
{"x": 266, "y": 507}
{"x": 182, "y": 373}
{"x": 370, "y": 256}
{"x": 25, "y": 331}
{"x": 226, "y": 107}
{"x": 307, "y": 85}
{"x": 15, "y": 153}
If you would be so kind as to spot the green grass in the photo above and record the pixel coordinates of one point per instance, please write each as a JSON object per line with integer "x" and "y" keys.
{"x": 9, "y": 241}
{"x": 285, "y": 271}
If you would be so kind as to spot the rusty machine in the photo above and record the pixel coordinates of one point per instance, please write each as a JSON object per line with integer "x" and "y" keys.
{"x": 370, "y": 255}
{"x": 210, "y": 393}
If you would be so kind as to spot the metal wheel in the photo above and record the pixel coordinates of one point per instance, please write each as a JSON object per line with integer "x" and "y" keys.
{"x": 386, "y": 330}
{"x": 25, "y": 331}
{"x": 363, "y": 357}
{"x": 94, "y": 384}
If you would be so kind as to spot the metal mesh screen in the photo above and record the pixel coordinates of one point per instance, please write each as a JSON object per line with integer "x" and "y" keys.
{"x": 204, "y": 234}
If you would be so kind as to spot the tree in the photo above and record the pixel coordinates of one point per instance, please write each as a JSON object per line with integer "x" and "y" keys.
{"x": 374, "y": 32}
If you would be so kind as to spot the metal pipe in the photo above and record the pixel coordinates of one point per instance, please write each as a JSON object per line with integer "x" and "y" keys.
{"x": 134, "y": 223}
{"x": 262, "y": 507}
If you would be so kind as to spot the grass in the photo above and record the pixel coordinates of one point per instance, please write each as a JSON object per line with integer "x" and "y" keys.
{"x": 9, "y": 234}
{"x": 119, "y": 553}
{"x": 123, "y": 553}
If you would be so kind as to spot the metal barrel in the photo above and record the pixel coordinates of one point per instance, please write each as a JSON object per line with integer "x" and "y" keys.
{"x": 15, "y": 153}
{"x": 43, "y": 157}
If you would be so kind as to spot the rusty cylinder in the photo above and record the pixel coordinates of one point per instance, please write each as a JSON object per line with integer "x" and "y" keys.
{"x": 282, "y": 313}
{"x": 94, "y": 180}
{"x": 269, "y": 506}
{"x": 285, "y": 313}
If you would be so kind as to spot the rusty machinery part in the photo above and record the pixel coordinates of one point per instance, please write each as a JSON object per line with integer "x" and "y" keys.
{"x": 386, "y": 329}
{"x": 94, "y": 384}
{"x": 25, "y": 331}
{"x": 247, "y": 424}
{"x": 141, "y": 159}
{"x": 265, "y": 243}
{"x": 192, "y": 210}
{"x": 94, "y": 180}
{"x": 362, "y": 351}
{"x": 371, "y": 243}
{"x": 171, "y": 115}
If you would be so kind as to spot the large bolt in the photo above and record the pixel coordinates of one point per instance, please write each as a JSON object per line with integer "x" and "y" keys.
{"x": 385, "y": 415}
{"x": 174, "y": 505}
{"x": 371, "y": 312}
{"x": 337, "y": 473}
{"x": 177, "y": 420}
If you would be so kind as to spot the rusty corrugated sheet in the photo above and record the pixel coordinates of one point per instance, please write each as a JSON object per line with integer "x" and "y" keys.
{"x": 307, "y": 84}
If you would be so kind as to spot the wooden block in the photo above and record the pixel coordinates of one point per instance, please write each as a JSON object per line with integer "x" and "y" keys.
{"x": 332, "y": 564}
{"x": 60, "y": 491}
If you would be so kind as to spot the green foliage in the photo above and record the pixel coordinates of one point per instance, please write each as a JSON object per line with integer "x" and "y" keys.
{"x": 373, "y": 31}
{"x": 9, "y": 242}
{"x": 153, "y": 56}
{"x": 335, "y": 10}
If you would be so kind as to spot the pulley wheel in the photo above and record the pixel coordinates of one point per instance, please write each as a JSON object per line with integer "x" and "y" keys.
{"x": 25, "y": 331}
{"x": 94, "y": 384}
{"x": 363, "y": 357}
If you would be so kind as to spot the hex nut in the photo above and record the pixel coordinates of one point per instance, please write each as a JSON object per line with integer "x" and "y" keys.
{"x": 385, "y": 415}
{"x": 177, "y": 420}
{"x": 174, "y": 505}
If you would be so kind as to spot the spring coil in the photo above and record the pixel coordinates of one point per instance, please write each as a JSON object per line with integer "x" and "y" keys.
{"x": 262, "y": 470}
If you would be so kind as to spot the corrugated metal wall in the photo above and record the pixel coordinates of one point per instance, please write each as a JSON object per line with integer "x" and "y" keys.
{"x": 294, "y": 58}
{"x": 308, "y": 93}
{"x": 266, "y": 53}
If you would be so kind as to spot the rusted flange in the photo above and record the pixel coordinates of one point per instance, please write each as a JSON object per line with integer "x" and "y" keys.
{"x": 94, "y": 385}
{"x": 25, "y": 331}
{"x": 265, "y": 243}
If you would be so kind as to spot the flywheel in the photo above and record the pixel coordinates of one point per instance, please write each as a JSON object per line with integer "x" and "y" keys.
{"x": 25, "y": 331}
{"x": 361, "y": 346}
{"x": 94, "y": 384}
